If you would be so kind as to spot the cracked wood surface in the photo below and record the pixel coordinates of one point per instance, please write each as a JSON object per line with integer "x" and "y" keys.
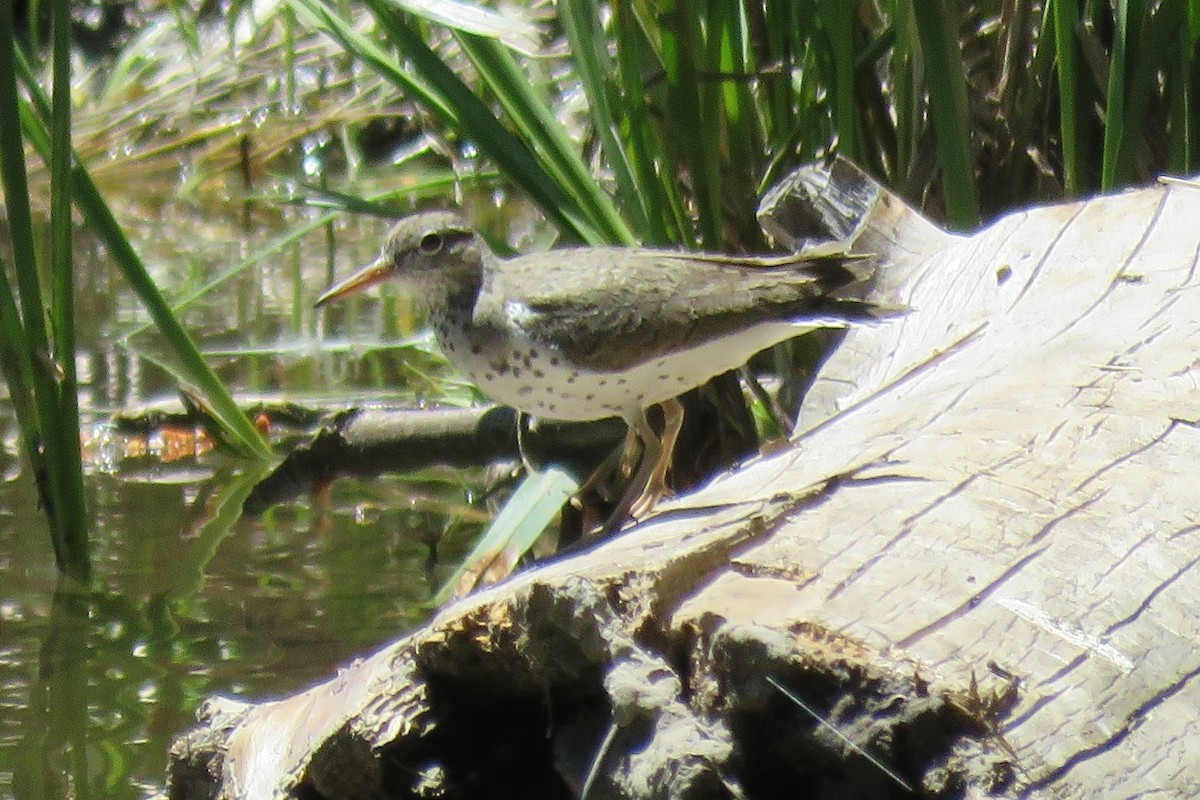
{"x": 990, "y": 511}
{"x": 1021, "y": 491}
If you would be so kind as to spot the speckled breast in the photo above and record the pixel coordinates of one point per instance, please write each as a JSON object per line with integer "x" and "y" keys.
{"x": 520, "y": 372}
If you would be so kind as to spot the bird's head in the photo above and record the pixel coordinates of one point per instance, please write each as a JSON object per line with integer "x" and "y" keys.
{"x": 436, "y": 252}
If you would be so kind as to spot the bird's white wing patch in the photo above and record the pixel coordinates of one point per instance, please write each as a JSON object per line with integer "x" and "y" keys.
{"x": 813, "y": 323}
{"x": 519, "y": 315}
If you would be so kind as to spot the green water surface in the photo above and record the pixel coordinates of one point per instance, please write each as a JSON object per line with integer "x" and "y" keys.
{"x": 191, "y": 598}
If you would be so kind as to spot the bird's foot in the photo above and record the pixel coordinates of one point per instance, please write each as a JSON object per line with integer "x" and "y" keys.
{"x": 649, "y": 498}
{"x": 649, "y": 484}
{"x": 656, "y": 487}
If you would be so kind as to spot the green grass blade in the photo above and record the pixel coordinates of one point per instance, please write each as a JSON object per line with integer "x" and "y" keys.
{"x": 476, "y": 122}
{"x": 62, "y": 433}
{"x": 20, "y": 217}
{"x": 34, "y": 380}
{"x": 838, "y": 19}
{"x": 1146, "y": 39}
{"x": 274, "y": 247}
{"x": 581, "y": 20}
{"x": 187, "y": 578}
{"x": 21, "y": 220}
{"x": 669, "y": 221}
{"x": 14, "y": 362}
{"x": 16, "y": 353}
{"x": 317, "y": 15}
{"x": 542, "y": 130}
{"x": 741, "y": 154}
{"x": 238, "y": 427}
{"x": 185, "y": 24}
{"x": 1114, "y": 127}
{"x": 690, "y": 138}
{"x": 776, "y": 30}
{"x": 239, "y": 430}
{"x": 948, "y": 108}
{"x": 1182, "y": 87}
{"x": 701, "y": 49}
{"x": 433, "y": 84}
{"x": 523, "y": 519}
{"x": 1071, "y": 76}
{"x": 906, "y": 87}
{"x": 468, "y": 17}
{"x": 337, "y": 202}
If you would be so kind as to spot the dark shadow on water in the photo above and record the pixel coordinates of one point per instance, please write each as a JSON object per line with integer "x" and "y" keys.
{"x": 193, "y": 601}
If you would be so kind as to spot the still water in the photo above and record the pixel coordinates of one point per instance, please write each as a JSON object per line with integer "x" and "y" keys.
{"x": 192, "y": 598}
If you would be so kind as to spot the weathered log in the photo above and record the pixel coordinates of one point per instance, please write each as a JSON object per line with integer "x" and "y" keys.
{"x": 367, "y": 442}
{"x": 976, "y": 564}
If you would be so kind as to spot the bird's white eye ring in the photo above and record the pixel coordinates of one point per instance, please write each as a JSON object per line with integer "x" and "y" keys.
{"x": 431, "y": 243}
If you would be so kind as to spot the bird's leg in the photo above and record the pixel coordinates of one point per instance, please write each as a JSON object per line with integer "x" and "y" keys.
{"x": 649, "y": 484}
{"x": 630, "y": 452}
{"x": 522, "y": 425}
{"x": 656, "y": 487}
{"x": 622, "y": 459}
{"x": 651, "y": 447}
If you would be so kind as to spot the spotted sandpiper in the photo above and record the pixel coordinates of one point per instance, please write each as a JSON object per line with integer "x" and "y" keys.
{"x": 594, "y": 332}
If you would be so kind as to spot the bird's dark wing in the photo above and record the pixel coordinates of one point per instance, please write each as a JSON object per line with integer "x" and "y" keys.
{"x": 611, "y": 308}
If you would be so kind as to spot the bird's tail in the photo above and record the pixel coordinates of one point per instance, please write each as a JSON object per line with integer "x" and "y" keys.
{"x": 855, "y": 310}
{"x": 843, "y": 277}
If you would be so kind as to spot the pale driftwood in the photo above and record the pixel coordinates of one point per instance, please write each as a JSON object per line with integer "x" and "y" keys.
{"x": 977, "y": 564}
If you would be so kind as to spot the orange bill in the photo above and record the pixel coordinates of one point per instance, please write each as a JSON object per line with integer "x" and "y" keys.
{"x": 367, "y": 276}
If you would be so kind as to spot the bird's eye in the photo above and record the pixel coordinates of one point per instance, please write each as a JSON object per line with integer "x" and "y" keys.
{"x": 431, "y": 243}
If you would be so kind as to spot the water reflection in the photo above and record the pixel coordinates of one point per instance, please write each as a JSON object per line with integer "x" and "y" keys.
{"x": 194, "y": 599}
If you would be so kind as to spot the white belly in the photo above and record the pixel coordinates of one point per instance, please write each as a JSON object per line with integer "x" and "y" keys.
{"x": 531, "y": 378}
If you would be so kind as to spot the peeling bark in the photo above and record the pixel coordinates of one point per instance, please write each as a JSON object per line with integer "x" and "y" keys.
{"x": 975, "y": 564}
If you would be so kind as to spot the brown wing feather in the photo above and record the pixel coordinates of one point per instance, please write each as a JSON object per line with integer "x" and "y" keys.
{"x": 636, "y": 305}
